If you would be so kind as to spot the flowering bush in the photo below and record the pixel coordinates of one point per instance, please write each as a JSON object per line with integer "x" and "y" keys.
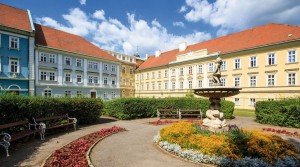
{"x": 74, "y": 154}
{"x": 238, "y": 146}
{"x": 282, "y": 131}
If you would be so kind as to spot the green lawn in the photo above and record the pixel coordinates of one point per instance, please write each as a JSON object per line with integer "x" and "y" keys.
{"x": 244, "y": 112}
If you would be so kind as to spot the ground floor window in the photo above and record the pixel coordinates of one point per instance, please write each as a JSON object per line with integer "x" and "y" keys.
{"x": 113, "y": 95}
{"x": 67, "y": 93}
{"x": 123, "y": 93}
{"x": 79, "y": 93}
{"x": 252, "y": 102}
{"x": 237, "y": 101}
{"x": 131, "y": 93}
{"x": 47, "y": 92}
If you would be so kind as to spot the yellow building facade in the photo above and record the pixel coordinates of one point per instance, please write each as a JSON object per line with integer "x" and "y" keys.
{"x": 266, "y": 71}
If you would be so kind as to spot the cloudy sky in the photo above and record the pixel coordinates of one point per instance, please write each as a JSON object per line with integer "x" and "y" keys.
{"x": 148, "y": 25}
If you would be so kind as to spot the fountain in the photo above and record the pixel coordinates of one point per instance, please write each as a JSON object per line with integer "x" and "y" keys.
{"x": 215, "y": 120}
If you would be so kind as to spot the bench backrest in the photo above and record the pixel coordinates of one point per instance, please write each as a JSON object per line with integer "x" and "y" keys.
{"x": 50, "y": 118}
{"x": 190, "y": 111}
{"x": 13, "y": 124}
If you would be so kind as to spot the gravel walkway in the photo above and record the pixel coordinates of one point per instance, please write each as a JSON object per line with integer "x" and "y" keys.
{"x": 132, "y": 148}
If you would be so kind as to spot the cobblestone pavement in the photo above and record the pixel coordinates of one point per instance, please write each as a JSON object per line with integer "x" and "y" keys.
{"x": 133, "y": 147}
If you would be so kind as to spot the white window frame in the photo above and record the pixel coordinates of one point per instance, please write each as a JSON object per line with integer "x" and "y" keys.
{"x": 190, "y": 84}
{"x": 55, "y": 78}
{"x": 223, "y": 81}
{"x": 253, "y": 61}
{"x": 95, "y": 65}
{"x": 70, "y": 77}
{"x": 17, "y": 42}
{"x": 90, "y": 79}
{"x": 147, "y": 75}
{"x": 166, "y": 73}
{"x": 124, "y": 81}
{"x": 210, "y": 67}
{"x": 131, "y": 70}
{"x": 124, "y": 69}
{"x": 113, "y": 68}
{"x": 90, "y": 65}
{"x": 190, "y": 70}
{"x": 78, "y": 93}
{"x": 237, "y": 63}
{"x": 78, "y": 62}
{"x": 288, "y": 78}
{"x": 224, "y": 66}
{"x": 180, "y": 84}
{"x": 47, "y": 92}
{"x": 96, "y": 80}
{"x": 77, "y": 78}
{"x": 252, "y": 101}
{"x": 159, "y": 85}
{"x": 159, "y": 74}
{"x": 173, "y": 72}
{"x": 237, "y": 81}
{"x": 43, "y": 76}
{"x": 66, "y": 59}
{"x": 269, "y": 79}
{"x": 153, "y": 86}
{"x": 236, "y": 101}
{"x": 113, "y": 95}
{"x": 43, "y": 57}
{"x": 105, "y": 80}
{"x": 210, "y": 82}
{"x": 52, "y": 57}
{"x": 251, "y": 81}
{"x": 153, "y": 75}
{"x": 200, "y": 68}
{"x": 200, "y": 83}
{"x": 11, "y": 60}
{"x": 105, "y": 67}
{"x": 166, "y": 85}
{"x": 173, "y": 85}
{"x": 68, "y": 93}
{"x": 113, "y": 81}
{"x": 288, "y": 56}
{"x": 105, "y": 95}
{"x": 270, "y": 58}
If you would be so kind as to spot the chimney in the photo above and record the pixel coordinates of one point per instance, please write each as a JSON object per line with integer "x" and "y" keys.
{"x": 157, "y": 53}
{"x": 182, "y": 46}
{"x": 147, "y": 56}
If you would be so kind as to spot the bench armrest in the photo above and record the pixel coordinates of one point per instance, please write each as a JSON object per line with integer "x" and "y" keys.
{"x": 74, "y": 120}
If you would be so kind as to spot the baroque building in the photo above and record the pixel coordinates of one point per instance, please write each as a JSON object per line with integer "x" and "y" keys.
{"x": 68, "y": 65}
{"x": 16, "y": 51}
{"x": 263, "y": 61}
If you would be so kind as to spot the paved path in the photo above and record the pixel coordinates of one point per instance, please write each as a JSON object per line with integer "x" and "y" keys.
{"x": 130, "y": 148}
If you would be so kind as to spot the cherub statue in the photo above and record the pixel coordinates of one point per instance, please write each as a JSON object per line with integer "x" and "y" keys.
{"x": 217, "y": 72}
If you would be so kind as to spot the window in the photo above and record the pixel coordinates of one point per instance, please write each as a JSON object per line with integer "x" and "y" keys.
{"x": 223, "y": 67}
{"x": 210, "y": 67}
{"x": 181, "y": 71}
{"x": 252, "y": 102}
{"x": 113, "y": 81}
{"x": 52, "y": 76}
{"x": 159, "y": 86}
{"x": 105, "y": 67}
{"x": 68, "y": 60}
{"x": 47, "y": 92}
{"x": 190, "y": 70}
{"x": 153, "y": 75}
{"x": 142, "y": 77}
{"x": 67, "y": 77}
{"x": 67, "y": 93}
{"x": 147, "y": 76}
{"x": 43, "y": 57}
{"x": 124, "y": 81}
{"x": 131, "y": 82}
{"x": 252, "y": 81}
{"x": 142, "y": 87}
{"x": 271, "y": 80}
{"x": 199, "y": 83}
{"x": 147, "y": 86}
{"x": 123, "y": 69}
{"x": 13, "y": 42}
{"x": 223, "y": 81}
{"x": 90, "y": 64}
{"x": 173, "y": 72}
{"x": 113, "y": 68}
{"x": 79, "y": 78}
{"x": 173, "y": 85}
{"x": 95, "y": 65}
{"x": 96, "y": 80}
{"x": 79, "y": 62}
{"x": 190, "y": 84}
{"x": 131, "y": 60}
{"x": 166, "y": 85}
{"x": 166, "y": 73}
{"x": 14, "y": 65}
{"x": 253, "y": 61}
{"x": 137, "y": 87}
{"x": 292, "y": 56}
{"x": 78, "y": 93}
{"x": 159, "y": 74}
{"x": 113, "y": 95}
{"x": 210, "y": 83}
{"x": 52, "y": 58}
{"x": 123, "y": 58}
{"x": 90, "y": 80}
{"x": 105, "y": 80}
{"x": 131, "y": 70}
{"x": 131, "y": 93}
{"x": 271, "y": 59}
{"x": 180, "y": 85}
{"x": 200, "y": 68}
{"x": 153, "y": 86}
{"x": 237, "y": 63}
{"x": 237, "y": 101}
{"x": 237, "y": 82}
{"x": 291, "y": 78}
{"x": 105, "y": 95}
{"x": 43, "y": 75}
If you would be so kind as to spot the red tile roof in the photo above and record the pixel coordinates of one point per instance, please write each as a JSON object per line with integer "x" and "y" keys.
{"x": 258, "y": 36}
{"x": 61, "y": 40}
{"x": 14, "y": 17}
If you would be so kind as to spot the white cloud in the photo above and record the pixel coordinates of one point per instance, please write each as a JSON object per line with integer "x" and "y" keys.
{"x": 111, "y": 34}
{"x": 82, "y": 2}
{"x": 235, "y": 15}
{"x": 99, "y": 14}
{"x": 182, "y": 9}
{"x": 178, "y": 24}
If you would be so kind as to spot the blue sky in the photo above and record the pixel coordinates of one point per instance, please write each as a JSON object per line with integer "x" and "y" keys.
{"x": 150, "y": 25}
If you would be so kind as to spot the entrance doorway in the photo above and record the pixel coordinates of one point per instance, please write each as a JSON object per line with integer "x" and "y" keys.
{"x": 93, "y": 94}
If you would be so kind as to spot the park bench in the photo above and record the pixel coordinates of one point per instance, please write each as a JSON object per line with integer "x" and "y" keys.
{"x": 18, "y": 130}
{"x": 56, "y": 121}
{"x": 190, "y": 113}
{"x": 167, "y": 113}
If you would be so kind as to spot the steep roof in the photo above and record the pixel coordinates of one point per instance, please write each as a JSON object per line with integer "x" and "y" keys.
{"x": 258, "y": 36}
{"x": 61, "y": 40}
{"x": 15, "y": 18}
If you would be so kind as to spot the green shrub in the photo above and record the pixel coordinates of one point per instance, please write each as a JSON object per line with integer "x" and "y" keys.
{"x": 132, "y": 108}
{"x": 14, "y": 108}
{"x": 282, "y": 112}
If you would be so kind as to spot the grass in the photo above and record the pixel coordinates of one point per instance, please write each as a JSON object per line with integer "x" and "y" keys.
{"x": 244, "y": 113}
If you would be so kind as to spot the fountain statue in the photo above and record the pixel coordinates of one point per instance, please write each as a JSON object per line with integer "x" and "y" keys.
{"x": 215, "y": 120}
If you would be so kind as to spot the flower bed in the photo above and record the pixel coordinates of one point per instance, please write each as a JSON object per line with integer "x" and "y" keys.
{"x": 74, "y": 154}
{"x": 237, "y": 147}
{"x": 282, "y": 131}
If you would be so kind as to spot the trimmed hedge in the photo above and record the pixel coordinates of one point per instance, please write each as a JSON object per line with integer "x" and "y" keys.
{"x": 282, "y": 112}
{"x": 14, "y": 108}
{"x": 132, "y": 108}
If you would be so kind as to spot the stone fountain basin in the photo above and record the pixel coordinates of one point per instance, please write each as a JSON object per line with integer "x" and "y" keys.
{"x": 217, "y": 92}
